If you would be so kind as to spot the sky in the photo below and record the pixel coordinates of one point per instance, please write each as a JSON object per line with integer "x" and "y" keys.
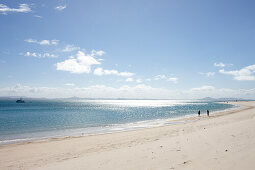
{"x": 146, "y": 49}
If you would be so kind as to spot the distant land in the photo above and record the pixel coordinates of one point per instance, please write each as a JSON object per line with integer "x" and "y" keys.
{"x": 80, "y": 98}
{"x": 224, "y": 99}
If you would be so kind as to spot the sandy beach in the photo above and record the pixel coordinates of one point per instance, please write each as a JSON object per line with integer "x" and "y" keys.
{"x": 225, "y": 140}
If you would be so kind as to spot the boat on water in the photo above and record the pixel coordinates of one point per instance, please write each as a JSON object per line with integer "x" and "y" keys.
{"x": 20, "y": 101}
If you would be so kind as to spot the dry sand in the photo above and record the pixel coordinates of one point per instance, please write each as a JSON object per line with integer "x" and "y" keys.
{"x": 223, "y": 141}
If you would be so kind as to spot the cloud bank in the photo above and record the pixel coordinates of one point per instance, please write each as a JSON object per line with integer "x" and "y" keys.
{"x": 139, "y": 91}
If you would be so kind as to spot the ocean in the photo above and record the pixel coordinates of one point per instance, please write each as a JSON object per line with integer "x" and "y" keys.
{"x": 37, "y": 119}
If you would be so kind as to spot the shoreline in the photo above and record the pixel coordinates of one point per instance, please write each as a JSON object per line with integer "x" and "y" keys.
{"x": 131, "y": 126}
{"x": 216, "y": 142}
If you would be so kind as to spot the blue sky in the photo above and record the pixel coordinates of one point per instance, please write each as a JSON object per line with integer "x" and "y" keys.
{"x": 174, "y": 49}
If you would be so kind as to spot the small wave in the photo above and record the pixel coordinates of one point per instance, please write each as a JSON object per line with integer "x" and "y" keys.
{"x": 2, "y": 142}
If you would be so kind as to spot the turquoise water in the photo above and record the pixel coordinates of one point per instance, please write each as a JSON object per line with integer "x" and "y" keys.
{"x": 38, "y": 119}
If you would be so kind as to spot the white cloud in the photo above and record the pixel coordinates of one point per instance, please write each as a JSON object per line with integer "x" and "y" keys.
{"x": 40, "y": 55}
{"x": 30, "y": 40}
{"x": 98, "y": 53}
{"x": 38, "y": 16}
{"x": 208, "y": 74}
{"x": 126, "y": 74}
{"x": 140, "y": 91}
{"x": 220, "y": 64}
{"x": 23, "y": 8}
{"x": 97, "y": 91}
{"x": 130, "y": 79}
{"x": 246, "y": 73}
{"x": 79, "y": 65}
{"x": 43, "y": 42}
{"x": 54, "y": 42}
{"x": 210, "y": 91}
{"x": 159, "y": 77}
{"x": 203, "y": 88}
{"x": 138, "y": 80}
{"x": 173, "y": 79}
{"x": 70, "y": 48}
{"x": 69, "y": 84}
{"x": 100, "y": 72}
{"x": 21, "y": 90}
{"x": 164, "y": 77}
{"x": 60, "y": 7}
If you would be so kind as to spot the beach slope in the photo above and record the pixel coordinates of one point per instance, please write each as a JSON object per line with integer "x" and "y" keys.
{"x": 225, "y": 140}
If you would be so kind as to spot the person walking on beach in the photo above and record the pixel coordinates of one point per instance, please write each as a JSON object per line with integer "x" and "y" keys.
{"x": 198, "y": 113}
{"x": 207, "y": 112}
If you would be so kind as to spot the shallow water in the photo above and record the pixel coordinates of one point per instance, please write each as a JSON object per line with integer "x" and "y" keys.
{"x": 46, "y": 118}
